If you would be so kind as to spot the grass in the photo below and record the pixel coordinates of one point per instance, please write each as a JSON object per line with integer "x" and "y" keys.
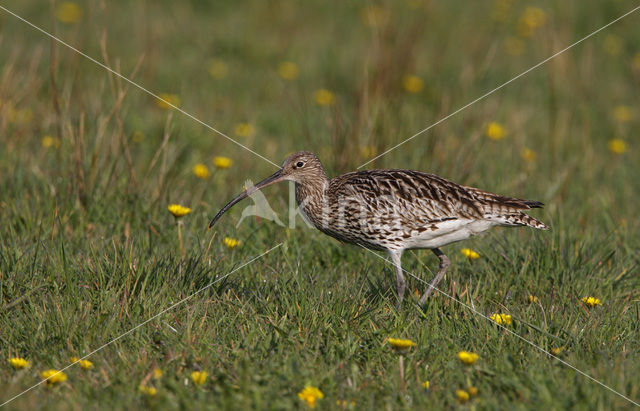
{"x": 89, "y": 250}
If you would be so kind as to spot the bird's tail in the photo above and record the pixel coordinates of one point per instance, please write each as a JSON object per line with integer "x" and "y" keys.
{"x": 518, "y": 219}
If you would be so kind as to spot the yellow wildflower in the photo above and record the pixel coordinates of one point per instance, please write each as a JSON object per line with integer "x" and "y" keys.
{"x": 230, "y": 243}
{"x": 218, "y": 69}
{"x": 374, "y": 16}
{"x": 531, "y": 19}
{"x": 18, "y": 363}
{"x": 468, "y": 357}
{"x": 201, "y": 171}
{"x": 222, "y": 162}
{"x": 528, "y": 155}
{"x": 613, "y": 45}
{"x": 244, "y": 130}
{"x": 472, "y": 391}
{"x": 400, "y": 344}
{"x": 470, "y": 254}
{"x": 168, "y": 101}
{"x": 533, "y": 299}
{"x": 412, "y": 83}
{"x": 622, "y": 114}
{"x": 556, "y": 350}
{"x": 495, "y": 131}
{"x": 288, "y": 70}
{"x": 462, "y": 395}
{"x": 84, "y": 364}
{"x": 68, "y": 12}
{"x": 617, "y": 146}
{"x": 514, "y": 45}
{"x": 53, "y": 376}
{"x": 48, "y": 141}
{"x": 157, "y": 373}
{"x": 310, "y": 395}
{"x": 501, "y": 319}
{"x": 178, "y": 211}
{"x": 425, "y": 384}
{"x": 324, "y": 97}
{"x": 344, "y": 404}
{"x": 150, "y": 391}
{"x": 137, "y": 137}
{"x": 591, "y": 301}
{"x": 501, "y": 10}
{"x": 199, "y": 377}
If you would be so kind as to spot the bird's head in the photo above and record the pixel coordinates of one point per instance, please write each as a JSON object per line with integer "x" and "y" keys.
{"x": 303, "y": 167}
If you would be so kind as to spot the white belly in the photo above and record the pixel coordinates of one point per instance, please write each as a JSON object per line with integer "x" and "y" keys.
{"x": 448, "y": 232}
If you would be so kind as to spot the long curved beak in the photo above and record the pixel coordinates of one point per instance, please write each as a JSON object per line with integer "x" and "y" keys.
{"x": 273, "y": 178}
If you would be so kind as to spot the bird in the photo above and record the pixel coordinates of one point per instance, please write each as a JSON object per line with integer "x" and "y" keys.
{"x": 394, "y": 210}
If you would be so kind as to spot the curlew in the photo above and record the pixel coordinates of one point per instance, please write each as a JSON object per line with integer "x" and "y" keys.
{"x": 394, "y": 210}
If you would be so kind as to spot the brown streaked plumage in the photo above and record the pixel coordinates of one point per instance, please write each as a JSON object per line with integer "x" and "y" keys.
{"x": 394, "y": 210}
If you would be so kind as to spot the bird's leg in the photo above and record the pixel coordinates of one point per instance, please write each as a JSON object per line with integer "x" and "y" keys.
{"x": 444, "y": 264}
{"x": 396, "y": 257}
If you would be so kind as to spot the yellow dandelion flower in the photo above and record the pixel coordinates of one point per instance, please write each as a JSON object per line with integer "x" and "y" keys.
{"x": 556, "y": 350}
{"x": 199, "y": 377}
{"x": 288, "y": 70}
{"x": 168, "y": 101}
{"x": 201, "y": 171}
{"x": 222, "y": 162}
{"x": 138, "y": 137}
{"x": 591, "y": 301}
{"x": 218, "y": 69}
{"x": 514, "y": 45}
{"x": 531, "y": 19}
{"x": 324, "y": 97}
{"x": 468, "y": 357}
{"x": 617, "y": 146}
{"x": 400, "y": 344}
{"x": 18, "y": 363}
{"x": 501, "y": 319}
{"x": 53, "y": 377}
{"x": 68, "y": 12}
{"x": 48, "y": 142}
{"x": 528, "y": 155}
{"x": 374, "y": 16}
{"x": 230, "y": 243}
{"x": 495, "y": 131}
{"x": 178, "y": 211}
{"x": 146, "y": 390}
{"x": 84, "y": 364}
{"x": 244, "y": 130}
{"x": 425, "y": 384}
{"x": 472, "y": 391}
{"x": 310, "y": 395}
{"x": 462, "y": 395}
{"x": 613, "y": 44}
{"x": 622, "y": 114}
{"x": 412, "y": 83}
{"x": 533, "y": 299}
{"x": 157, "y": 373}
{"x": 470, "y": 254}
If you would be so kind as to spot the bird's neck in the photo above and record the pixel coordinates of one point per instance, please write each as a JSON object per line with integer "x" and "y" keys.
{"x": 312, "y": 198}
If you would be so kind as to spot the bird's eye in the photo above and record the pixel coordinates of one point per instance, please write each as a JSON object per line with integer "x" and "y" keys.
{"x": 300, "y": 164}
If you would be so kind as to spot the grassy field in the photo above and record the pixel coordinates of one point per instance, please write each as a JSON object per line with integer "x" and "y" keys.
{"x": 89, "y": 164}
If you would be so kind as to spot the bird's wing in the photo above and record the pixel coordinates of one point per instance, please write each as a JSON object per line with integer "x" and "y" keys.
{"x": 410, "y": 195}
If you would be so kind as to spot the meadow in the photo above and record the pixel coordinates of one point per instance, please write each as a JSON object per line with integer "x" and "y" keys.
{"x": 89, "y": 164}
